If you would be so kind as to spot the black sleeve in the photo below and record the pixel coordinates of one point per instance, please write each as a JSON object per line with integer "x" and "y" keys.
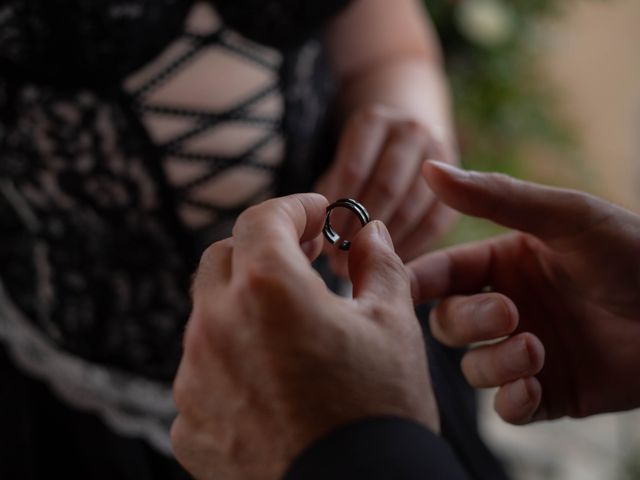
{"x": 378, "y": 449}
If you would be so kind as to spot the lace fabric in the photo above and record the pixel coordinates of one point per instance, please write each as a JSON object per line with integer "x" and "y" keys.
{"x": 108, "y": 184}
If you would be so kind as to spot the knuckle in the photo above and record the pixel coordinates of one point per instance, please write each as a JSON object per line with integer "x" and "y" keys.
{"x": 438, "y": 147}
{"x": 383, "y": 312}
{"x": 581, "y": 201}
{"x": 499, "y": 180}
{"x": 246, "y": 220}
{"x": 411, "y": 129}
{"x": 260, "y": 276}
{"x": 264, "y": 278}
{"x": 178, "y": 435}
{"x": 353, "y": 172}
{"x": 499, "y": 184}
{"x": 211, "y": 254}
{"x": 371, "y": 114}
{"x": 207, "y": 256}
{"x": 182, "y": 393}
{"x": 386, "y": 189}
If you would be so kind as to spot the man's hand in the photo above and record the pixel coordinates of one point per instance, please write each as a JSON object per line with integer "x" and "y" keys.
{"x": 378, "y": 163}
{"x": 567, "y": 285}
{"x": 273, "y": 360}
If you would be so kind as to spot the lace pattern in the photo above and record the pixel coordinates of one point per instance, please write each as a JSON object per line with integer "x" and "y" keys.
{"x": 83, "y": 217}
{"x": 131, "y": 405}
{"x": 102, "y": 217}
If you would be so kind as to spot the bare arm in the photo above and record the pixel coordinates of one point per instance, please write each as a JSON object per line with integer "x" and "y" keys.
{"x": 387, "y": 53}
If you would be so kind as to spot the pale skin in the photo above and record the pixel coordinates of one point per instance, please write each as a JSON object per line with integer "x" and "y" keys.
{"x": 565, "y": 294}
{"x": 395, "y": 106}
{"x": 273, "y": 360}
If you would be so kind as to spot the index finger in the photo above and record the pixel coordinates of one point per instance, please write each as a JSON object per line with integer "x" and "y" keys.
{"x": 269, "y": 235}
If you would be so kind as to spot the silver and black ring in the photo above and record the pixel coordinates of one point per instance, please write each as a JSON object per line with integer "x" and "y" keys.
{"x": 351, "y": 205}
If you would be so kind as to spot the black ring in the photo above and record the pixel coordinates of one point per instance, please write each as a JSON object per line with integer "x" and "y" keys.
{"x": 355, "y": 207}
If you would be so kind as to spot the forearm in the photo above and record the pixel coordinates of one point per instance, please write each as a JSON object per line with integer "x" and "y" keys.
{"x": 388, "y": 53}
{"x": 413, "y": 84}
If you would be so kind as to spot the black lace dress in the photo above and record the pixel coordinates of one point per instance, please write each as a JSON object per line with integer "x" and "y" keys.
{"x": 109, "y": 190}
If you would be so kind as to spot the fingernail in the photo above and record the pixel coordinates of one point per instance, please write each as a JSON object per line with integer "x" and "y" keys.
{"x": 383, "y": 233}
{"x": 519, "y": 355}
{"x": 498, "y": 316}
{"x": 519, "y": 393}
{"x": 448, "y": 169}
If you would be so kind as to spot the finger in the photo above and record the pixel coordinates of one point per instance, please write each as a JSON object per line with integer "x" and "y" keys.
{"x": 411, "y": 210}
{"x": 214, "y": 269}
{"x": 458, "y": 321}
{"x": 519, "y": 401}
{"x": 359, "y": 147}
{"x": 196, "y": 450}
{"x": 396, "y": 169}
{"x": 313, "y": 248}
{"x": 376, "y": 272}
{"x": 461, "y": 269}
{"x": 437, "y": 220}
{"x": 339, "y": 262}
{"x": 494, "y": 365}
{"x": 546, "y": 212}
{"x": 267, "y": 237}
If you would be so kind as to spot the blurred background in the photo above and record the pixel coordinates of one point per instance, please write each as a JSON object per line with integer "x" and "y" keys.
{"x": 549, "y": 90}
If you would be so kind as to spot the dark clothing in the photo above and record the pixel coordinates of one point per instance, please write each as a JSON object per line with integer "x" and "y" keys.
{"x": 398, "y": 449}
{"x": 378, "y": 449}
{"x": 43, "y": 438}
{"x": 458, "y": 409}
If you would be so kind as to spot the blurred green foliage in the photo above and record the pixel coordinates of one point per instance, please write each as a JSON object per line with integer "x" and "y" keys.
{"x": 631, "y": 466}
{"x": 502, "y": 103}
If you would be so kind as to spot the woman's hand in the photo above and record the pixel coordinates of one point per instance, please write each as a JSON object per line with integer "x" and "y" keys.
{"x": 393, "y": 99}
{"x": 378, "y": 162}
{"x": 566, "y": 286}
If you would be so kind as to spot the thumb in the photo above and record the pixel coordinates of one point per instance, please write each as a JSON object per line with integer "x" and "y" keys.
{"x": 376, "y": 272}
{"x": 543, "y": 211}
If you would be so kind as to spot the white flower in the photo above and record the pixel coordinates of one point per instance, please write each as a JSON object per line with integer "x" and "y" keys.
{"x": 486, "y": 22}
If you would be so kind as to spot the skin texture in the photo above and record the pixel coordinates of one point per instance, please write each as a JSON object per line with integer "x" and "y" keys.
{"x": 273, "y": 360}
{"x": 394, "y": 103}
{"x": 564, "y": 291}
